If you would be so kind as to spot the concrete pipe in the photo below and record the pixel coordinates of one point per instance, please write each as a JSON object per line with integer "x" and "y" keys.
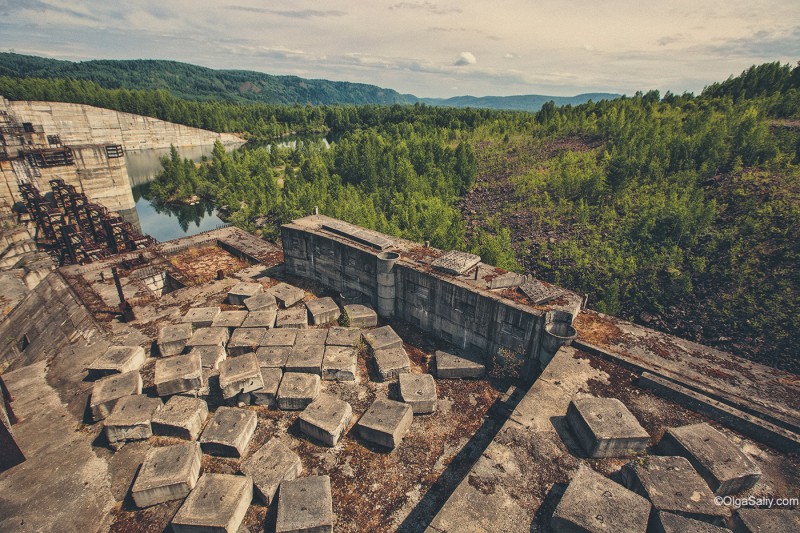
{"x": 386, "y": 279}
{"x": 556, "y": 334}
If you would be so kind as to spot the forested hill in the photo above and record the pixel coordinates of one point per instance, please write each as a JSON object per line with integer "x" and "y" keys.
{"x": 193, "y": 82}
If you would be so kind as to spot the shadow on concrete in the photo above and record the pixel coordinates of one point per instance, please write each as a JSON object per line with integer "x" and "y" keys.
{"x": 565, "y": 433}
{"x": 541, "y": 520}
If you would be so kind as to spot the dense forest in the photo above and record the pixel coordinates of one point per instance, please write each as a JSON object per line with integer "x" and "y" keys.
{"x": 678, "y": 211}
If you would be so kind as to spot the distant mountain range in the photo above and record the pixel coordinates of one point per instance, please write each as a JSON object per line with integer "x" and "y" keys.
{"x": 200, "y": 83}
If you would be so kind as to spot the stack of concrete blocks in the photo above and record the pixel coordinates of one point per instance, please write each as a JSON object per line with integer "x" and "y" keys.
{"x": 449, "y": 366}
{"x": 131, "y": 419}
{"x": 181, "y": 417}
{"x": 239, "y": 375}
{"x": 245, "y": 340}
{"x": 418, "y": 391}
{"x": 305, "y": 504}
{"x": 200, "y": 317}
{"x": 229, "y": 431}
{"x": 385, "y": 423}
{"x": 117, "y": 360}
{"x": 323, "y": 311}
{"x": 167, "y": 473}
{"x": 242, "y": 291}
{"x": 286, "y": 295}
{"x": 361, "y": 316}
{"x": 325, "y": 419}
{"x": 179, "y": 373}
{"x": 172, "y": 338}
{"x": 297, "y": 391}
{"x": 218, "y": 503}
{"x": 604, "y": 427}
{"x": 106, "y": 392}
{"x": 270, "y": 466}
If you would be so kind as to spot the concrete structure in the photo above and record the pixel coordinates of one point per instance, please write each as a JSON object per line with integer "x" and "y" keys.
{"x": 245, "y": 340}
{"x": 418, "y": 391}
{"x": 323, "y": 310}
{"x": 726, "y": 468}
{"x": 391, "y": 362}
{"x": 238, "y": 375}
{"x": 130, "y": 419}
{"x": 106, "y": 392}
{"x": 229, "y": 431}
{"x": 210, "y": 356}
{"x": 449, "y": 366}
{"x": 273, "y": 356}
{"x": 340, "y": 363}
{"x": 270, "y": 466}
{"x": 280, "y": 337}
{"x": 229, "y": 319}
{"x": 297, "y": 391}
{"x": 201, "y": 317}
{"x": 763, "y": 520}
{"x": 361, "y": 316}
{"x": 343, "y": 337}
{"x": 311, "y": 336}
{"x": 606, "y": 428}
{"x": 179, "y": 373}
{"x": 261, "y": 302}
{"x": 218, "y": 503}
{"x": 242, "y": 291}
{"x": 305, "y": 504}
{"x": 382, "y": 339}
{"x": 260, "y": 319}
{"x": 306, "y": 359}
{"x": 268, "y": 394}
{"x": 212, "y": 336}
{"x": 294, "y": 317}
{"x": 117, "y": 360}
{"x": 286, "y": 295}
{"x": 182, "y": 417}
{"x": 325, "y": 419}
{"x": 672, "y": 523}
{"x": 167, "y": 473}
{"x": 385, "y": 423}
{"x": 172, "y": 338}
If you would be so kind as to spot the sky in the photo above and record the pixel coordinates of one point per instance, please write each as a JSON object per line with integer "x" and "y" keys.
{"x": 429, "y": 48}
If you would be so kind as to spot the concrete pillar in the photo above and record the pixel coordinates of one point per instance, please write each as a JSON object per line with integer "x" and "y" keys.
{"x": 558, "y": 332}
{"x": 386, "y": 290}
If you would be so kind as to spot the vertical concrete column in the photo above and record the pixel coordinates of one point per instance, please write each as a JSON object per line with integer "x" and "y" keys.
{"x": 558, "y": 332}
{"x": 386, "y": 290}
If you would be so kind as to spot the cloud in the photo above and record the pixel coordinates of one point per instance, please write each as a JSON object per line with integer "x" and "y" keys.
{"x": 430, "y": 7}
{"x": 464, "y": 59}
{"x": 295, "y": 14}
{"x": 669, "y": 39}
{"x": 8, "y": 7}
{"x": 510, "y": 56}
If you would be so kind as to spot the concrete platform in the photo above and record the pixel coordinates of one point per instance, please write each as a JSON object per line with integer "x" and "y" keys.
{"x": 172, "y": 338}
{"x": 130, "y": 419}
{"x": 418, "y": 391}
{"x": 305, "y": 504}
{"x": 672, "y": 484}
{"x": 182, "y": 417}
{"x": 767, "y": 520}
{"x": 261, "y": 302}
{"x": 361, "y": 316}
{"x": 297, "y": 391}
{"x": 311, "y": 336}
{"x": 270, "y": 466}
{"x": 260, "y": 319}
{"x": 604, "y": 427}
{"x": 323, "y": 311}
{"x": 663, "y": 522}
{"x": 229, "y": 431}
{"x": 179, "y": 373}
{"x": 294, "y": 317}
{"x": 594, "y": 503}
{"x": 107, "y": 391}
{"x": 117, "y": 360}
{"x": 167, "y": 473}
{"x": 325, "y": 419}
{"x": 287, "y": 295}
{"x": 239, "y": 374}
{"x": 385, "y": 423}
{"x": 340, "y": 363}
{"x": 218, "y": 503}
{"x": 229, "y": 319}
{"x": 343, "y": 337}
{"x": 280, "y": 337}
{"x": 449, "y": 366}
{"x": 306, "y": 359}
{"x": 391, "y": 362}
{"x": 382, "y": 338}
{"x": 268, "y": 394}
{"x": 242, "y": 291}
{"x": 245, "y": 340}
{"x": 726, "y": 468}
{"x": 200, "y": 317}
{"x": 210, "y": 356}
{"x": 273, "y": 356}
{"x": 213, "y": 336}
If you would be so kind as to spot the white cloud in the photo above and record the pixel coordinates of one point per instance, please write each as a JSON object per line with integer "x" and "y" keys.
{"x": 464, "y": 59}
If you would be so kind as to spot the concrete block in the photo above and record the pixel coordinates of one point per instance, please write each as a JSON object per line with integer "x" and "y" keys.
{"x": 361, "y": 316}
{"x": 343, "y": 337}
{"x": 179, "y": 373}
{"x": 209, "y": 337}
{"x": 297, "y": 391}
{"x": 242, "y": 291}
{"x": 260, "y": 319}
{"x": 172, "y": 338}
{"x": 594, "y": 503}
{"x": 167, "y": 473}
{"x": 201, "y": 317}
{"x": 664, "y": 522}
{"x": 271, "y": 465}
{"x": 391, "y": 362}
{"x": 449, "y": 366}
{"x": 305, "y": 504}
{"x": 273, "y": 356}
{"x": 604, "y": 427}
{"x": 672, "y": 484}
{"x": 182, "y": 417}
{"x": 382, "y": 338}
{"x": 261, "y": 302}
{"x": 245, "y": 340}
{"x": 323, "y": 310}
{"x": 108, "y": 390}
{"x": 306, "y": 359}
{"x": 229, "y": 432}
{"x": 229, "y": 319}
{"x": 311, "y": 336}
{"x": 767, "y": 520}
{"x": 385, "y": 423}
{"x": 340, "y": 363}
{"x": 418, "y": 391}
{"x": 268, "y": 394}
{"x": 325, "y": 419}
{"x": 239, "y": 374}
{"x": 279, "y": 337}
{"x": 210, "y": 356}
{"x": 294, "y": 317}
{"x": 117, "y": 360}
{"x": 726, "y": 468}
{"x": 130, "y": 419}
{"x": 218, "y": 503}
{"x": 287, "y": 295}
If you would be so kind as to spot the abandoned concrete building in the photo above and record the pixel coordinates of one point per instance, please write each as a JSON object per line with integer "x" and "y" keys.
{"x": 353, "y": 381}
